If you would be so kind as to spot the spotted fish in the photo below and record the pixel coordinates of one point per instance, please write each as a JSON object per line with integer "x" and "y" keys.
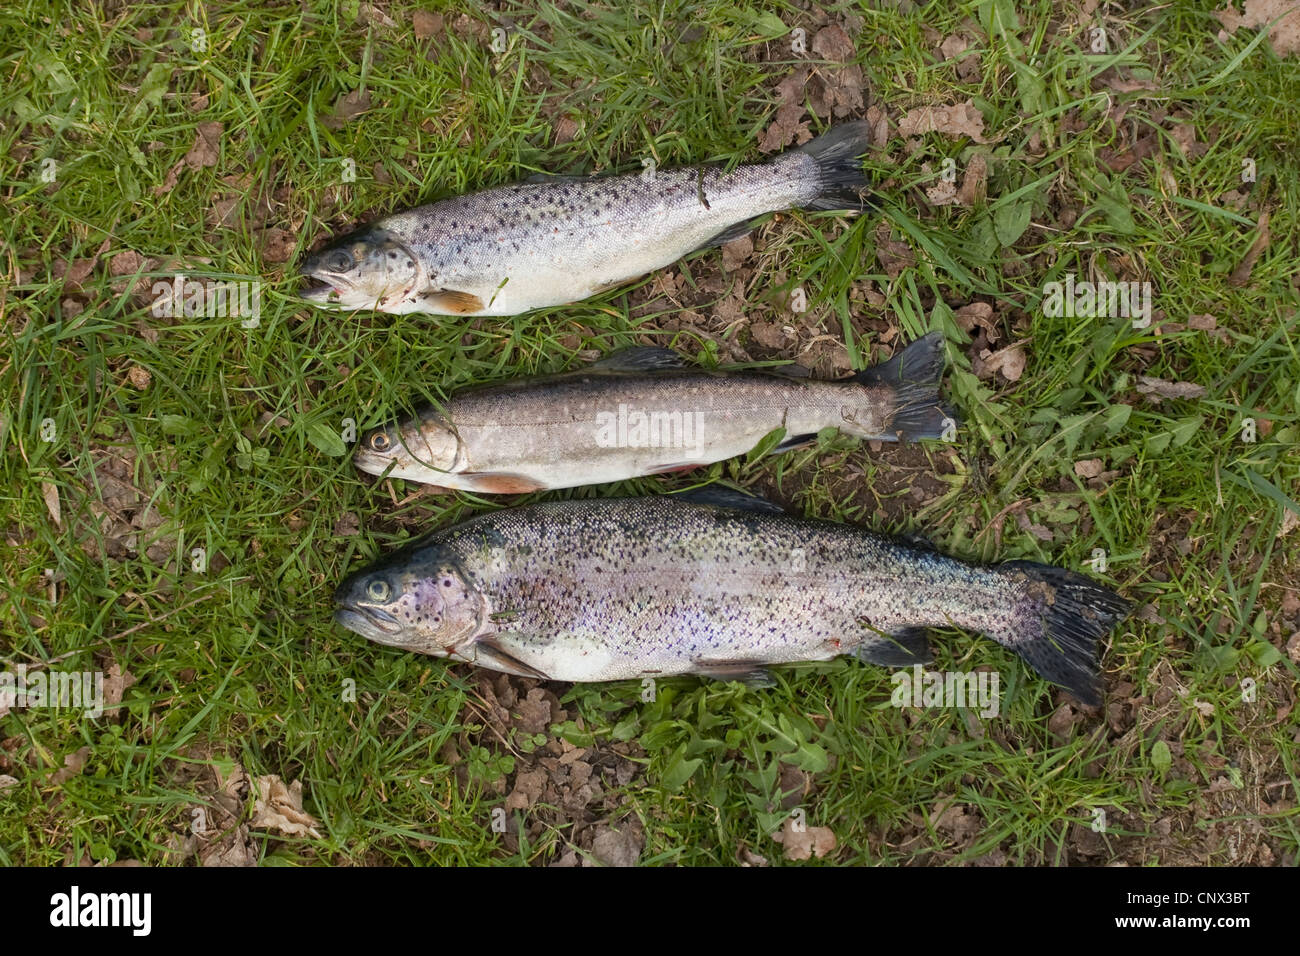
{"x": 535, "y": 244}
{"x": 716, "y": 583}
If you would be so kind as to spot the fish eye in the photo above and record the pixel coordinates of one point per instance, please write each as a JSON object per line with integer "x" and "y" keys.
{"x": 378, "y": 589}
{"x": 340, "y": 261}
{"x": 380, "y": 441}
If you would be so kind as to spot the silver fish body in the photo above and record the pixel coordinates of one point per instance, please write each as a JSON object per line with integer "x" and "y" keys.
{"x": 720, "y": 585}
{"x": 645, "y": 411}
{"x": 530, "y": 245}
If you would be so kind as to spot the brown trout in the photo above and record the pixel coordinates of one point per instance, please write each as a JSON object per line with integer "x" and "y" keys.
{"x": 644, "y": 411}
{"x": 713, "y": 582}
{"x": 534, "y": 244}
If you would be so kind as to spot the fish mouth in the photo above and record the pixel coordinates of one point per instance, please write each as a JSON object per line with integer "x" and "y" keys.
{"x": 372, "y": 624}
{"x": 328, "y": 292}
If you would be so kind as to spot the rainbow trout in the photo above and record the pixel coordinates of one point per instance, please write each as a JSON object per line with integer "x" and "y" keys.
{"x": 534, "y": 244}
{"x": 713, "y": 582}
{"x": 644, "y": 411}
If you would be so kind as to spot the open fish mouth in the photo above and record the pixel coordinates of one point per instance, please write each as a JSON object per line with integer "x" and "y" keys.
{"x": 323, "y": 292}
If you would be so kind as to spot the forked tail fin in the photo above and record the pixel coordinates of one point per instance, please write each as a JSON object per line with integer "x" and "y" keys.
{"x": 839, "y": 168}
{"x": 1055, "y": 621}
{"x": 914, "y": 375}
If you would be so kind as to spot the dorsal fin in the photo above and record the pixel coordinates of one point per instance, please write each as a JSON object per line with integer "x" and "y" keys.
{"x": 720, "y": 496}
{"x": 641, "y": 358}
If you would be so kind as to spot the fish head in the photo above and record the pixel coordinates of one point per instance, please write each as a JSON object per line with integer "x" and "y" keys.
{"x": 371, "y": 269}
{"x": 422, "y": 448}
{"x": 415, "y": 600}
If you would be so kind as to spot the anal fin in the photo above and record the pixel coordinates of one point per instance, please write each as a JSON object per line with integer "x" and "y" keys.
{"x": 752, "y": 673}
{"x": 903, "y": 648}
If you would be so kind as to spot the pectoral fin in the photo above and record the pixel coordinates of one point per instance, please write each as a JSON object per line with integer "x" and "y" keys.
{"x": 489, "y": 652}
{"x": 499, "y": 483}
{"x": 450, "y": 302}
{"x": 751, "y": 673}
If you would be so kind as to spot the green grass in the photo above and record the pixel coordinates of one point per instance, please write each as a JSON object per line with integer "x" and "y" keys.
{"x": 242, "y": 659}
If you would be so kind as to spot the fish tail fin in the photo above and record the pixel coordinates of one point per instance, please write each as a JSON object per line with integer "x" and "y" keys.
{"x": 1055, "y": 622}
{"x": 914, "y": 375}
{"x": 843, "y": 186}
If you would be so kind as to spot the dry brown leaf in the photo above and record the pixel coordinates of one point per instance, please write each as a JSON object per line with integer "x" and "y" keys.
{"x": 1089, "y": 468}
{"x": 1241, "y": 275}
{"x": 73, "y": 764}
{"x": 279, "y": 808}
{"x": 369, "y": 13}
{"x": 734, "y": 253}
{"x": 139, "y": 377}
{"x": 806, "y": 841}
{"x": 277, "y": 245}
{"x": 832, "y": 43}
{"x": 1010, "y": 361}
{"x": 1284, "y": 36}
{"x": 116, "y": 682}
{"x": 975, "y": 183}
{"x": 961, "y": 119}
{"x": 347, "y": 108}
{"x": 1165, "y": 389}
{"x": 941, "y": 193}
{"x": 953, "y": 45}
{"x": 621, "y": 847}
{"x": 206, "y": 150}
{"x": 426, "y": 24}
{"x": 50, "y": 492}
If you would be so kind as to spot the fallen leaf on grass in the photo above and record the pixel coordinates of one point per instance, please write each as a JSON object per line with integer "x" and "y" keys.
{"x": 961, "y": 119}
{"x": 347, "y": 108}
{"x": 139, "y": 377}
{"x": 426, "y": 24}
{"x": 974, "y": 183}
{"x": 205, "y": 152}
{"x": 1284, "y": 36}
{"x": 116, "y": 682}
{"x": 619, "y": 847}
{"x": 806, "y": 841}
{"x": 1241, "y": 275}
{"x": 1160, "y": 388}
{"x": 50, "y": 492}
{"x": 736, "y": 252}
{"x": 73, "y": 764}
{"x": 1089, "y": 468}
{"x": 279, "y": 808}
{"x": 1010, "y": 361}
{"x": 369, "y": 13}
{"x": 832, "y": 43}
